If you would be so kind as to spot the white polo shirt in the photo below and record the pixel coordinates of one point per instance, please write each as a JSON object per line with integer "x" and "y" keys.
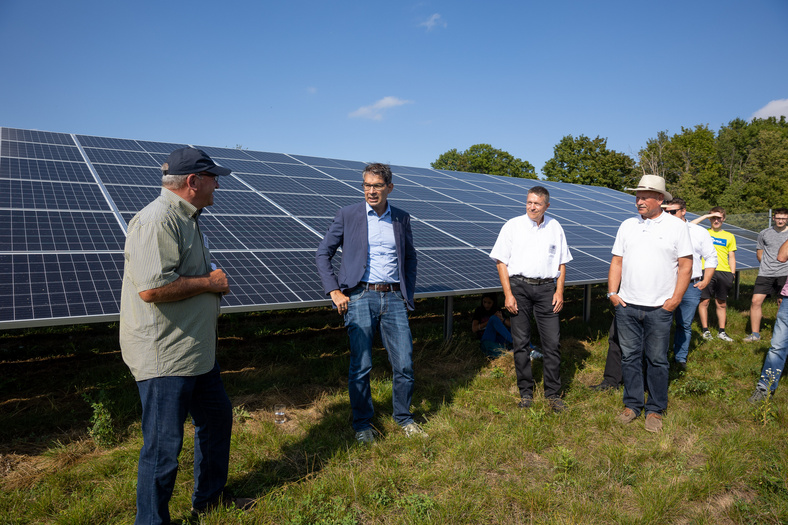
{"x": 702, "y": 248}
{"x": 650, "y": 249}
{"x": 532, "y": 250}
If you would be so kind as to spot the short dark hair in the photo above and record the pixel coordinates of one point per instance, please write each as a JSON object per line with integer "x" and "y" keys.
{"x": 782, "y": 211}
{"x": 677, "y": 200}
{"x": 381, "y": 170}
{"x": 719, "y": 209}
{"x": 540, "y": 191}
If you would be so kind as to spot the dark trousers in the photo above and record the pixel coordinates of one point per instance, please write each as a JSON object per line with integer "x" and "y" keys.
{"x": 536, "y": 300}
{"x": 613, "y": 375}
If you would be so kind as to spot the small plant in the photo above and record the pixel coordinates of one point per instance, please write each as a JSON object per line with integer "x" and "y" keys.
{"x": 418, "y": 506}
{"x": 764, "y": 411}
{"x": 240, "y": 414}
{"x": 695, "y": 387}
{"x": 495, "y": 410}
{"x": 497, "y": 373}
{"x": 564, "y": 461}
{"x": 103, "y": 430}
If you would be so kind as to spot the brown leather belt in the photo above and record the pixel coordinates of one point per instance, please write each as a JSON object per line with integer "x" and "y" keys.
{"x": 381, "y": 287}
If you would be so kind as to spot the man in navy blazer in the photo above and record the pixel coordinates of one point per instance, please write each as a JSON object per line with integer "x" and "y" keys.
{"x": 373, "y": 290}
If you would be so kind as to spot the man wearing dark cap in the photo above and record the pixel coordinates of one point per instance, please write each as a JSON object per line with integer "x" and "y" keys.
{"x": 168, "y": 316}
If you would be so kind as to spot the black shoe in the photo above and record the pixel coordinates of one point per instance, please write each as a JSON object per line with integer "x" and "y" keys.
{"x": 682, "y": 366}
{"x": 525, "y": 402}
{"x": 556, "y": 404}
{"x": 601, "y": 387}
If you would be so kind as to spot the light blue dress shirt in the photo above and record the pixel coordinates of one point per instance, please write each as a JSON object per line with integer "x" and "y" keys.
{"x": 382, "y": 251}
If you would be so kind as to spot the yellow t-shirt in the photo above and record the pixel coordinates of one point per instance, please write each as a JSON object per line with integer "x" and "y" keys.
{"x": 725, "y": 243}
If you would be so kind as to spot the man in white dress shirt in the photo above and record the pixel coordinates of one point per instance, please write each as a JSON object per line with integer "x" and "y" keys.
{"x": 531, "y": 255}
{"x": 702, "y": 248}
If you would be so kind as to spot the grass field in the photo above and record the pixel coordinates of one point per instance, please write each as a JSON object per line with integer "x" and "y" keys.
{"x": 70, "y": 433}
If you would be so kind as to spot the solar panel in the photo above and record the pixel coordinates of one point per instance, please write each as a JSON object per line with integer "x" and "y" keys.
{"x": 65, "y": 201}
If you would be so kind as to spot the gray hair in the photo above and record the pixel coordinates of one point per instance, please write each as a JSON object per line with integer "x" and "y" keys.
{"x": 171, "y": 182}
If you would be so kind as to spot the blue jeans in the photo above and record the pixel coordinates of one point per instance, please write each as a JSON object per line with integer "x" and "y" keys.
{"x": 165, "y": 404}
{"x": 496, "y": 331}
{"x": 775, "y": 358}
{"x": 644, "y": 333}
{"x": 368, "y": 312}
{"x": 684, "y": 314}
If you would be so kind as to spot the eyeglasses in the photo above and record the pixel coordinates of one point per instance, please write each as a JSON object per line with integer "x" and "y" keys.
{"x": 674, "y": 212}
{"x": 368, "y": 187}
{"x": 205, "y": 173}
{"x": 781, "y": 218}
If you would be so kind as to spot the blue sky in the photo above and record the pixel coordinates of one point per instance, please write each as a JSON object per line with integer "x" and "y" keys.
{"x": 398, "y": 82}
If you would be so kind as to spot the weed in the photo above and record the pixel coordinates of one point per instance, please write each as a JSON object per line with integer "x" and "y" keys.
{"x": 695, "y": 387}
{"x": 497, "y": 373}
{"x": 418, "y": 506}
{"x": 102, "y": 431}
{"x": 240, "y": 413}
{"x": 764, "y": 411}
{"x": 495, "y": 410}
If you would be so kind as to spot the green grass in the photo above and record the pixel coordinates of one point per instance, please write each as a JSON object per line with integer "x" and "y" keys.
{"x": 718, "y": 460}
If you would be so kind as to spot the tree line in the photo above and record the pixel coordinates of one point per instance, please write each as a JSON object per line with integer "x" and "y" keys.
{"x": 742, "y": 167}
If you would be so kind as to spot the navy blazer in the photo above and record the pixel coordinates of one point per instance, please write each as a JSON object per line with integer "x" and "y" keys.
{"x": 349, "y": 230}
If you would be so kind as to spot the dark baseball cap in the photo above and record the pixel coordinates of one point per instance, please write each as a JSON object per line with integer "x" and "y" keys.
{"x": 192, "y": 160}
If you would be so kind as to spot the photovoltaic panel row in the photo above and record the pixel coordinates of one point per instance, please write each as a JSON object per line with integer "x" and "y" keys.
{"x": 57, "y": 288}
{"x": 68, "y": 198}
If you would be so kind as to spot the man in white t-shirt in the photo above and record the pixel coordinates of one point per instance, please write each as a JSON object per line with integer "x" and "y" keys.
{"x": 704, "y": 263}
{"x": 531, "y": 255}
{"x": 649, "y": 273}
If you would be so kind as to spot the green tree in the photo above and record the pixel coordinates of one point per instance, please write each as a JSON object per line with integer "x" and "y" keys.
{"x": 483, "y": 158}
{"x": 583, "y": 160}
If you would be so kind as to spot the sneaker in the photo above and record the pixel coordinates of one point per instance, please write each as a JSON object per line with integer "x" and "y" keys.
{"x": 536, "y": 354}
{"x": 758, "y": 396}
{"x": 681, "y": 366}
{"x": 365, "y": 437}
{"x": 413, "y": 429}
{"x": 556, "y": 404}
{"x": 752, "y": 338}
{"x": 653, "y": 422}
{"x": 707, "y": 335}
{"x": 627, "y": 416}
{"x": 725, "y": 337}
{"x": 525, "y": 402}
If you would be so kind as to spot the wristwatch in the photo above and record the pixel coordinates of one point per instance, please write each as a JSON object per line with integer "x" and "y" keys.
{"x": 611, "y": 293}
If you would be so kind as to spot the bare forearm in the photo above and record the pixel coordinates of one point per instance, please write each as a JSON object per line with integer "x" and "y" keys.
{"x": 187, "y": 286}
{"x": 782, "y": 253}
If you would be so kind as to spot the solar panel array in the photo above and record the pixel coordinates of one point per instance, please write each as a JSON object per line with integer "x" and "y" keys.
{"x": 65, "y": 201}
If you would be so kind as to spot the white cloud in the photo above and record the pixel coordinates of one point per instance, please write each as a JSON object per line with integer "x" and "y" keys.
{"x": 375, "y": 111}
{"x": 433, "y": 21}
{"x": 775, "y": 108}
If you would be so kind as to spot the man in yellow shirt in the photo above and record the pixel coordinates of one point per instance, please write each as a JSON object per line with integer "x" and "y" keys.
{"x": 722, "y": 281}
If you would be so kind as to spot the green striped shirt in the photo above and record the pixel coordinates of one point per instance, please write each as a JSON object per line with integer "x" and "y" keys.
{"x": 174, "y": 338}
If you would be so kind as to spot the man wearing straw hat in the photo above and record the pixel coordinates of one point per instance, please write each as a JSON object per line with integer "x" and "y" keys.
{"x": 649, "y": 273}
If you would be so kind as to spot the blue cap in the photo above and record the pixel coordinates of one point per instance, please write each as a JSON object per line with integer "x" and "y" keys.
{"x": 185, "y": 161}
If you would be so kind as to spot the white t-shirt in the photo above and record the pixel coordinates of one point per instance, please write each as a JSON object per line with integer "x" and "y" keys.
{"x": 703, "y": 248}
{"x": 532, "y": 250}
{"x": 650, "y": 249}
